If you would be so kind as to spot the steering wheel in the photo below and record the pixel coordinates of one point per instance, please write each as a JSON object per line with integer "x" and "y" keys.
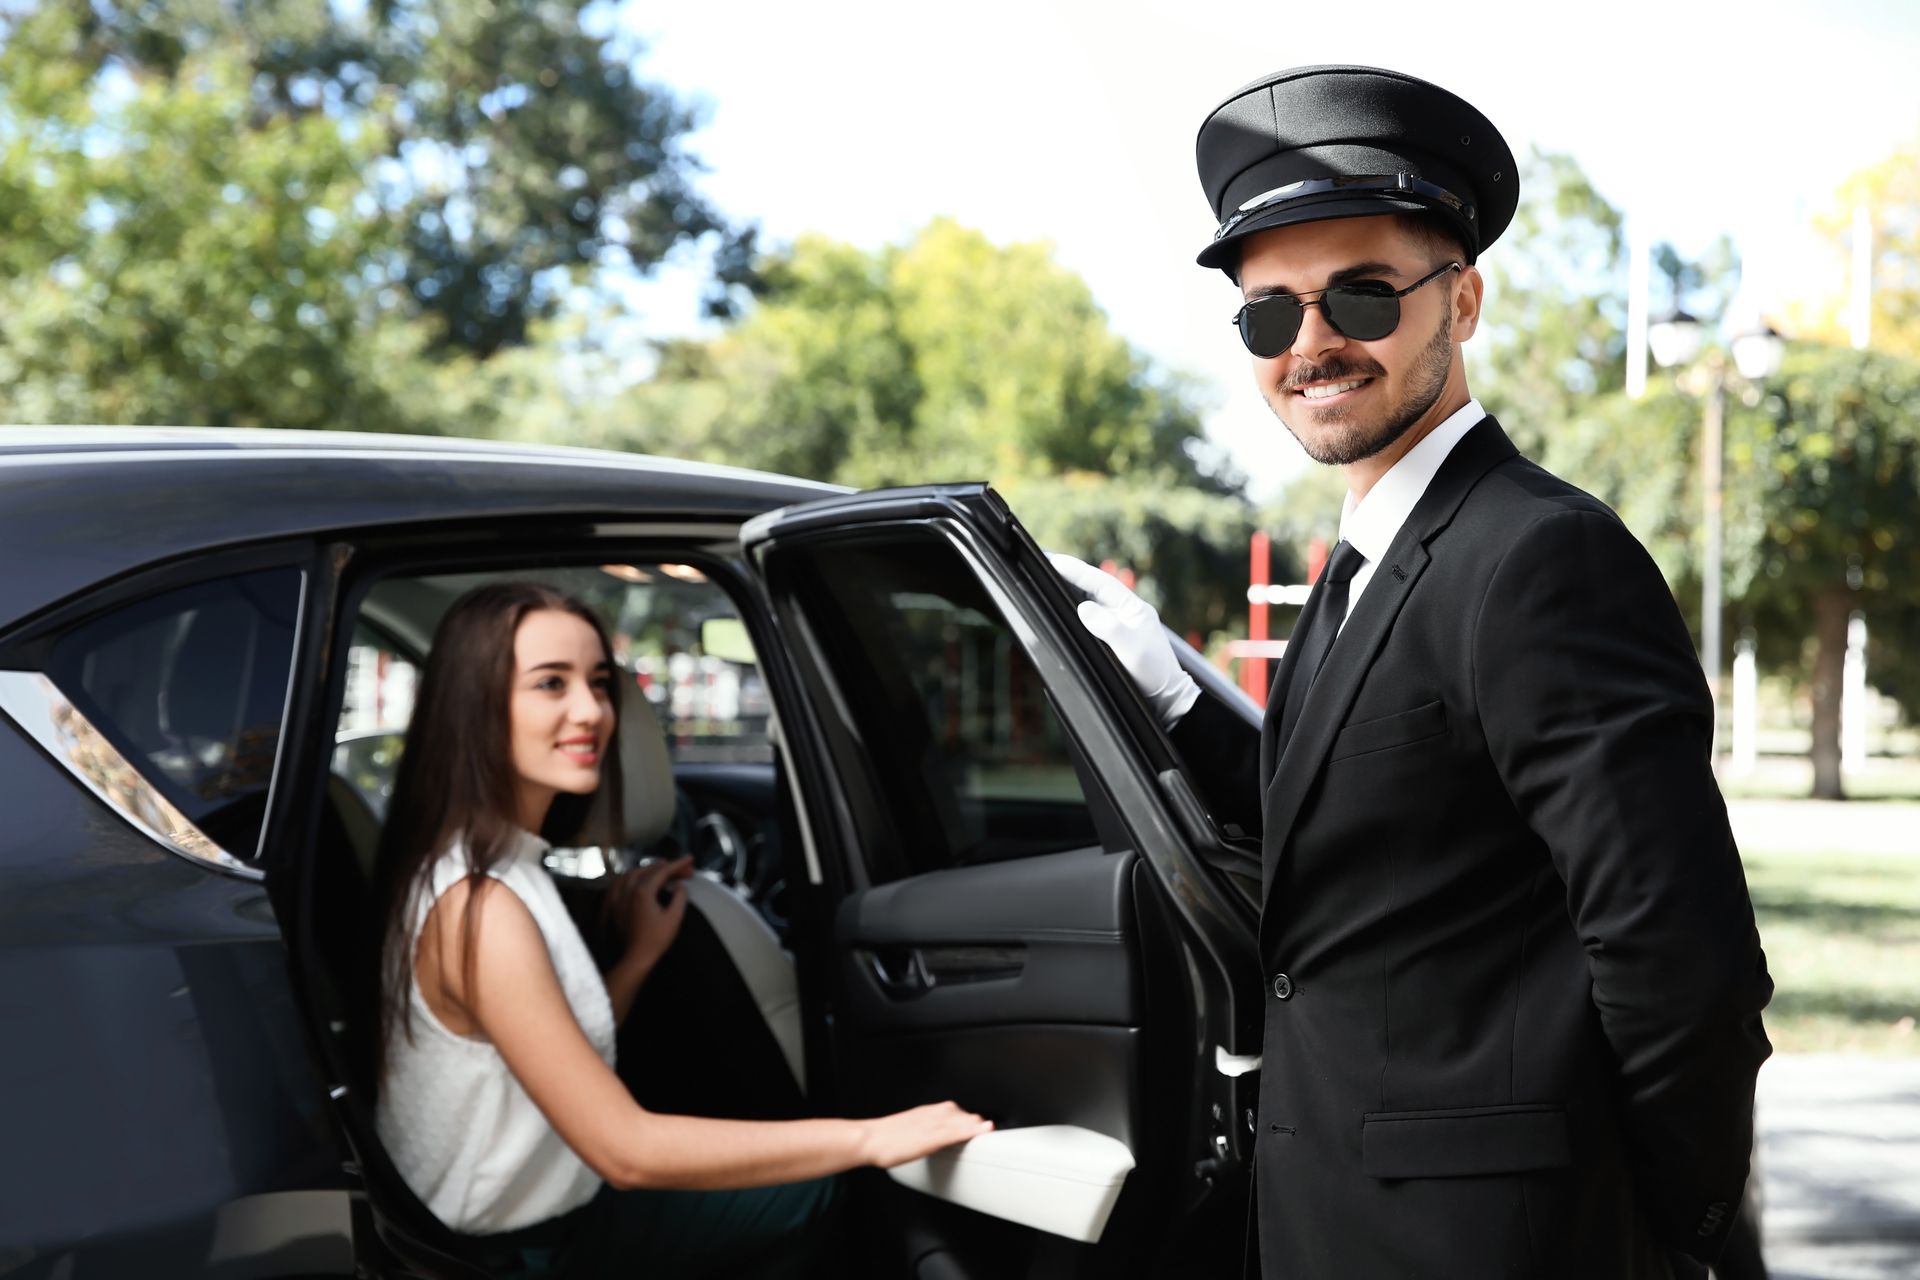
{"x": 719, "y": 847}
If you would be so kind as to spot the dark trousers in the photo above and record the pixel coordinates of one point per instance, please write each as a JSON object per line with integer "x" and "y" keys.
{"x": 773, "y": 1232}
{"x": 695, "y": 1044}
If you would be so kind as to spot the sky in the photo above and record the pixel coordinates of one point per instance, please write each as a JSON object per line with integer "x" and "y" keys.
{"x": 1073, "y": 123}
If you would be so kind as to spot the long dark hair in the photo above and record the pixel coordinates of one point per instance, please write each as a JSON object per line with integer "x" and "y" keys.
{"x": 456, "y": 779}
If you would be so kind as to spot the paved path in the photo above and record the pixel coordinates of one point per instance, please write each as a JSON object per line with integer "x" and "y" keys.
{"x": 1840, "y": 1167}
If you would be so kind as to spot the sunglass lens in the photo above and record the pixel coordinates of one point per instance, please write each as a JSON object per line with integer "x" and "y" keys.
{"x": 1269, "y": 325}
{"x": 1365, "y": 317}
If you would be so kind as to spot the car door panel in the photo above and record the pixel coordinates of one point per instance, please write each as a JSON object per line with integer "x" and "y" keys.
{"x": 980, "y": 949}
{"x": 1041, "y": 940}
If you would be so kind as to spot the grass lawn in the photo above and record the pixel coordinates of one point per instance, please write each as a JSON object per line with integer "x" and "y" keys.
{"x": 1842, "y": 935}
{"x": 1791, "y": 778}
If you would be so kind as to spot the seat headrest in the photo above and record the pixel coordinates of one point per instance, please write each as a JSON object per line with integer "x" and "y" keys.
{"x": 646, "y": 777}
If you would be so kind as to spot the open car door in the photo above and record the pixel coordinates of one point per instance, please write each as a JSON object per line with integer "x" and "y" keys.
{"x": 1021, "y": 905}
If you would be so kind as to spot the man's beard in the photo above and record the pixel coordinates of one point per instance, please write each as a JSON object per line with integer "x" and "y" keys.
{"x": 1427, "y": 381}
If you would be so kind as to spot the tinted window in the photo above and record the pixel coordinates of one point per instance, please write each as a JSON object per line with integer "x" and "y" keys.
{"x": 190, "y": 687}
{"x": 946, "y": 721}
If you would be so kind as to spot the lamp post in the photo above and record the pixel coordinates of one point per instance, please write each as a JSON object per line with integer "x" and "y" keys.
{"x": 1676, "y": 339}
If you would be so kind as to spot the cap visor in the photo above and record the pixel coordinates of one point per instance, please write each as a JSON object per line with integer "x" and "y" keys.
{"x": 1225, "y": 252}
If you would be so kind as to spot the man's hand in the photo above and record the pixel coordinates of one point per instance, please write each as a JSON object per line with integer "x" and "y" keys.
{"x": 1130, "y": 627}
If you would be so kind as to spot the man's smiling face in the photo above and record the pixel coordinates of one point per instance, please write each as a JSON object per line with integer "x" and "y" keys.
{"x": 1347, "y": 400}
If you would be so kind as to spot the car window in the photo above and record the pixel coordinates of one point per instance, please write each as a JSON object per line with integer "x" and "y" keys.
{"x": 381, "y": 679}
{"x": 190, "y": 687}
{"x": 674, "y": 632}
{"x": 943, "y": 715}
{"x": 668, "y": 624}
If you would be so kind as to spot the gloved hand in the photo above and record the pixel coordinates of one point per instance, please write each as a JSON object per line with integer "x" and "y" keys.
{"x": 1130, "y": 627}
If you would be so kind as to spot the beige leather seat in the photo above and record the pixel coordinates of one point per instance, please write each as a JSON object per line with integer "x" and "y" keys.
{"x": 648, "y": 797}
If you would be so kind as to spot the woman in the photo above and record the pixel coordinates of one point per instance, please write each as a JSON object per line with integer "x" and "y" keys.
{"x": 498, "y": 1102}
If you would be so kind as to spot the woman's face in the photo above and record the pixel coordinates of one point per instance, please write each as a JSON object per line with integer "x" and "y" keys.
{"x": 560, "y": 712}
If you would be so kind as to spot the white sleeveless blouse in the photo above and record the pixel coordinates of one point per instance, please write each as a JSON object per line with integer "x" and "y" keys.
{"x": 458, "y": 1126}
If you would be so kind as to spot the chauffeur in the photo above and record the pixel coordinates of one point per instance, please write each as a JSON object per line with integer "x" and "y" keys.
{"x": 1513, "y": 985}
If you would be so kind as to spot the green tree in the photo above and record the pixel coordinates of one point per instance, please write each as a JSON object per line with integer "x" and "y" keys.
{"x": 519, "y": 153}
{"x": 1554, "y": 342}
{"x": 1822, "y": 476}
{"x": 1823, "y": 484}
{"x": 950, "y": 357}
{"x": 167, "y": 260}
{"x": 1555, "y": 330}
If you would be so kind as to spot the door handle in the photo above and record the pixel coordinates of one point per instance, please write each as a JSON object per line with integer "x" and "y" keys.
{"x": 900, "y": 971}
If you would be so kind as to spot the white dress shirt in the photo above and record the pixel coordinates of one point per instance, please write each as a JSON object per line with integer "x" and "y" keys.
{"x": 1372, "y": 523}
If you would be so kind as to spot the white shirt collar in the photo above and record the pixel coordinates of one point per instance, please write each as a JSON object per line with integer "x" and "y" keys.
{"x": 524, "y": 845}
{"x": 1372, "y": 524}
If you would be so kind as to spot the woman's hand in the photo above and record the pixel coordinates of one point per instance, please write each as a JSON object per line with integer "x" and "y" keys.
{"x": 909, "y": 1135}
{"x": 650, "y": 902}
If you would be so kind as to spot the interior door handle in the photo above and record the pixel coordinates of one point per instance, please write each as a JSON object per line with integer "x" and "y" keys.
{"x": 900, "y": 971}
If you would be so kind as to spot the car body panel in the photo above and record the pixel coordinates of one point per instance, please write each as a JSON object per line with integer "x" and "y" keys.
{"x": 157, "y": 496}
{"x": 155, "y": 1069}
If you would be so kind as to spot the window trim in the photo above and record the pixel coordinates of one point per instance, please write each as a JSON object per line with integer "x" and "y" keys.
{"x": 32, "y": 701}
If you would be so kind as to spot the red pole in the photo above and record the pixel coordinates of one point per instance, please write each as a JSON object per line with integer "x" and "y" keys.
{"x": 1316, "y": 558}
{"x": 1253, "y": 674}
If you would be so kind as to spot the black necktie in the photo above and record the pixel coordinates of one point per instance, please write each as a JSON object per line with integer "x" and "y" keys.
{"x": 1319, "y": 624}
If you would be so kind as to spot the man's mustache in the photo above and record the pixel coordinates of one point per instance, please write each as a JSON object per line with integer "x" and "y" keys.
{"x": 1336, "y": 371}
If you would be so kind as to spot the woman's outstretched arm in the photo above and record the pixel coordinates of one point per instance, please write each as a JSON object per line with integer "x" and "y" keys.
{"x": 518, "y": 1005}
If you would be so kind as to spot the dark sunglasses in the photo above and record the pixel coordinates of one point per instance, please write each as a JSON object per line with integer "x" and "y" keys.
{"x": 1364, "y": 310}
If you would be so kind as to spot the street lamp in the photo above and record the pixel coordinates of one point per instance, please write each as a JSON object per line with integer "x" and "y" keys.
{"x": 1757, "y": 352}
{"x": 1676, "y": 339}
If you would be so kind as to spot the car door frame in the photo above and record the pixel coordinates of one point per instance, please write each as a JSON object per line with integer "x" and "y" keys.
{"x": 1124, "y": 749}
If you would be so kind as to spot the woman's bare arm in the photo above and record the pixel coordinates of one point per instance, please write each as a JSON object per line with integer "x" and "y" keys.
{"x": 520, "y": 1007}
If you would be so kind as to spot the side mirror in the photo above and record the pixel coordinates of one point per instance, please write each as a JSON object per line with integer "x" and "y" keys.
{"x": 727, "y": 639}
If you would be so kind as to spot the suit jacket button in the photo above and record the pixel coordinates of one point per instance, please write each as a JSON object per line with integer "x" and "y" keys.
{"x": 1282, "y": 987}
{"x": 1714, "y": 1218}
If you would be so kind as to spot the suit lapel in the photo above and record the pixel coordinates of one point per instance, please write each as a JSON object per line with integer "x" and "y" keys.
{"x": 1325, "y": 709}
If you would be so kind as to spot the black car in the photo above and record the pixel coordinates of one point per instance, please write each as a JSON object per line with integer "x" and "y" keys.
{"x": 945, "y": 850}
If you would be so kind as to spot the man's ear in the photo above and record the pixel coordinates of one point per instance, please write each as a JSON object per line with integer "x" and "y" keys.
{"x": 1468, "y": 292}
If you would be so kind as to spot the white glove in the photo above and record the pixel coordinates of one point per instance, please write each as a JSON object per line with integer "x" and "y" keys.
{"x": 1129, "y": 626}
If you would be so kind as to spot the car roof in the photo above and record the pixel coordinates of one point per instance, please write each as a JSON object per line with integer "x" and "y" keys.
{"x": 79, "y": 505}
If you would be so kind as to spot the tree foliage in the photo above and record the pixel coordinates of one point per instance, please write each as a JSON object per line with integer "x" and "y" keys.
{"x": 949, "y": 357}
{"x": 945, "y": 355}
{"x": 167, "y": 259}
{"x": 1819, "y": 466}
{"x": 1823, "y": 482}
{"x": 517, "y": 149}
{"x": 303, "y": 214}
{"x": 1555, "y": 326}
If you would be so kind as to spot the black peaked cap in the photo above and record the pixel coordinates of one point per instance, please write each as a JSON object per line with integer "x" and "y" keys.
{"x": 1419, "y": 148}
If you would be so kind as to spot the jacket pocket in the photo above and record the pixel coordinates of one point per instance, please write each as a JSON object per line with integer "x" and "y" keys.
{"x": 1426, "y": 721}
{"x": 1461, "y": 1142}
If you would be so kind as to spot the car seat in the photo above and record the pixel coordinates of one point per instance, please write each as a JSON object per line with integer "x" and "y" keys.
{"x": 749, "y": 941}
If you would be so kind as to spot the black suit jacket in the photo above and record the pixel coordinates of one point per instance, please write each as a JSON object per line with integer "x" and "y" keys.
{"x": 1519, "y": 1022}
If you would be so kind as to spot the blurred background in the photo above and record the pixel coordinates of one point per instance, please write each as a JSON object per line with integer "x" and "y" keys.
{"x": 878, "y": 244}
